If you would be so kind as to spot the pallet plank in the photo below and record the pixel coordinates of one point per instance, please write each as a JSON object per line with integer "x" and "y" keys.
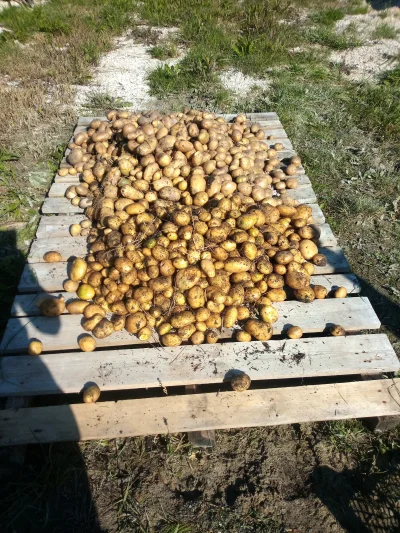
{"x": 61, "y": 333}
{"x": 28, "y": 304}
{"x": 195, "y": 412}
{"x": 194, "y": 365}
{"x": 59, "y": 205}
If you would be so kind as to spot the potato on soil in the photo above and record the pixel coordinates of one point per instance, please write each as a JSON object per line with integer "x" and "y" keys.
{"x": 294, "y": 332}
{"x": 262, "y": 331}
{"x": 52, "y": 257}
{"x": 91, "y": 393}
{"x": 87, "y": 343}
{"x": 241, "y": 382}
{"x": 53, "y": 306}
{"x": 35, "y": 347}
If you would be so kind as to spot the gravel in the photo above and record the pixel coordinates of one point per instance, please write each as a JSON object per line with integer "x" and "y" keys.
{"x": 240, "y": 84}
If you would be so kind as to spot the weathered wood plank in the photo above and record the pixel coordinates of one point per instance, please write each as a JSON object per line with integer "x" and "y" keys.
{"x": 195, "y": 412}
{"x": 49, "y": 277}
{"x": 61, "y": 333}
{"x": 59, "y": 205}
{"x": 194, "y": 365}
{"x": 52, "y": 227}
{"x": 28, "y": 304}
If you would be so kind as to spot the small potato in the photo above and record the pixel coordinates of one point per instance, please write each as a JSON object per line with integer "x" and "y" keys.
{"x": 237, "y": 264}
{"x": 78, "y": 269}
{"x": 320, "y": 291}
{"x": 85, "y": 292}
{"x": 249, "y": 250}
{"x": 230, "y": 316}
{"x": 35, "y": 347}
{"x": 305, "y": 295}
{"x": 52, "y": 306}
{"x": 198, "y": 337}
{"x": 76, "y": 307}
{"x": 268, "y": 313}
{"x": 185, "y": 332}
{"x": 262, "y": 331}
{"x": 89, "y": 324}
{"x": 196, "y": 297}
{"x": 202, "y": 314}
{"x": 103, "y": 329}
{"x": 93, "y": 309}
{"x": 241, "y": 382}
{"x": 308, "y": 249}
{"x": 294, "y": 332}
{"x": 187, "y": 278}
{"x": 211, "y": 337}
{"x": 70, "y": 286}
{"x": 297, "y": 280}
{"x": 52, "y": 257}
{"x": 75, "y": 230}
{"x": 91, "y": 393}
{"x": 144, "y": 334}
{"x": 243, "y": 312}
{"x": 87, "y": 343}
{"x": 277, "y": 295}
{"x": 170, "y": 340}
{"x": 283, "y": 257}
{"x": 337, "y": 331}
{"x": 214, "y": 321}
{"x": 340, "y": 292}
{"x": 319, "y": 260}
{"x": 182, "y": 318}
{"x": 243, "y": 336}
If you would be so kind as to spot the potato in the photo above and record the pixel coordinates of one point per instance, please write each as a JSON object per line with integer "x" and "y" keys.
{"x": 89, "y": 324}
{"x": 70, "y": 286}
{"x": 308, "y": 249}
{"x": 170, "y": 340}
{"x": 211, "y": 337}
{"x": 182, "y": 318}
{"x": 78, "y": 269}
{"x": 320, "y": 291}
{"x": 230, "y": 316}
{"x": 118, "y": 322}
{"x": 87, "y": 343}
{"x": 268, "y": 313}
{"x": 243, "y": 336}
{"x": 52, "y": 306}
{"x": 337, "y": 331}
{"x": 52, "y": 257}
{"x": 243, "y": 312}
{"x": 283, "y": 257}
{"x": 340, "y": 292}
{"x": 135, "y": 322}
{"x": 198, "y": 337}
{"x": 160, "y": 284}
{"x": 103, "y": 329}
{"x": 196, "y": 297}
{"x": 305, "y": 295}
{"x": 85, "y": 292}
{"x": 247, "y": 221}
{"x": 294, "y": 332}
{"x": 262, "y": 331}
{"x": 277, "y": 295}
{"x": 76, "y": 307}
{"x": 240, "y": 382}
{"x": 319, "y": 260}
{"x": 35, "y": 347}
{"x": 143, "y": 294}
{"x": 185, "y": 332}
{"x": 187, "y": 278}
{"x": 208, "y": 267}
{"x": 237, "y": 264}
{"x": 297, "y": 280}
{"x": 91, "y": 393}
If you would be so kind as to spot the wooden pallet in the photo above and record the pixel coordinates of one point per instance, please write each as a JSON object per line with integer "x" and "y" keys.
{"x": 312, "y": 379}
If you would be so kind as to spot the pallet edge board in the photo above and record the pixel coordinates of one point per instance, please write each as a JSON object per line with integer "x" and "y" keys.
{"x": 61, "y": 333}
{"x": 148, "y": 367}
{"x": 29, "y": 304}
{"x": 194, "y": 412}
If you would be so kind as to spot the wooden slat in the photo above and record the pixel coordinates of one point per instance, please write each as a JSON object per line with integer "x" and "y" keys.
{"x": 194, "y": 412}
{"x": 49, "y": 277}
{"x": 61, "y": 333}
{"x": 196, "y": 365}
{"x": 28, "y": 304}
{"x": 52, "y": 227}
{"x": 71, "y": 247}
{"x": 59, "y": 205}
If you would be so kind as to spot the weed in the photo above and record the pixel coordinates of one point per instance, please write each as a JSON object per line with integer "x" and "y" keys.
{"x": 337, "y": 41}
{"x": 384, "y": 31}
{"x": 164, "y": 51}
{"x": 327, "y": 17}
{"x": 104, "y": 101}
{"x": 345, "y": 435}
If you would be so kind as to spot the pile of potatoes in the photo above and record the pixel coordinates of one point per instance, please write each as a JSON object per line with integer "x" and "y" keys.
{"x": 186, "y": 232}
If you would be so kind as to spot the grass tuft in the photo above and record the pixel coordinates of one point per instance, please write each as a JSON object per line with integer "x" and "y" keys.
{"x": 385, "y": 31}
{"x": 327, "y": 17}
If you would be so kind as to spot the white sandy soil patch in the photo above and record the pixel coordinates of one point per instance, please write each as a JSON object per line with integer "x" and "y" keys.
{"x": 369, "y": 61}
{"x": 123, "y": 72}
{"x": 367, "y": 24}
{"x": 240, "y": 84}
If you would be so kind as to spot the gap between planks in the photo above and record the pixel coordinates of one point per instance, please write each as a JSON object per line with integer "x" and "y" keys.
{"x": 62, "y": 332}
{"x": 196, "y": 412}
{"x": 124, "y": 369}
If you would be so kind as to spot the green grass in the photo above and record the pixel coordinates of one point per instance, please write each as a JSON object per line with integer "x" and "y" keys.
{"x": 164, "y": 51}
{"x": 104, "y": 101}
{"x": 328, "y": 17}
{"x": 337, "y": 41}
{"x": 385, "y": 31}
